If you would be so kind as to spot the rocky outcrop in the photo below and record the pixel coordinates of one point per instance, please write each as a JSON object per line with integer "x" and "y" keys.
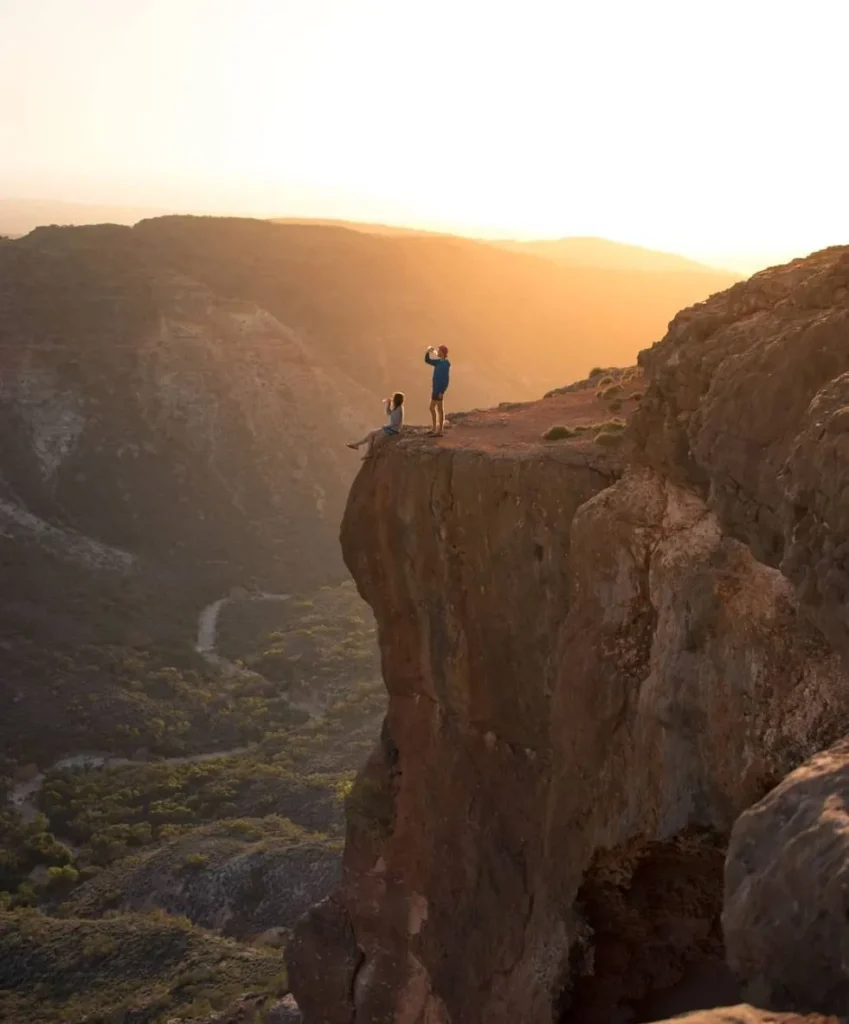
{"x": 786, "y": 881}
{"x": 325, "y": 958}
{"x": 242, "y": 888}
{"x": 748, "y": 404}
{"x": 595, "y": 665}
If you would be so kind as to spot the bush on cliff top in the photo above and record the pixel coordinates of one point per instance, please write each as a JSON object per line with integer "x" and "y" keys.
{"x": 610, "y": 433}
{"x": 558, "y": 433}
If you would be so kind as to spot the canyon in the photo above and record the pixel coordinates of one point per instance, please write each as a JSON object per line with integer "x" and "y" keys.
{"x": 174, "y": 402}
{"x": 188, "y": 680}
{"x": 609, "y": 785}
{"x": 611, "y": 782}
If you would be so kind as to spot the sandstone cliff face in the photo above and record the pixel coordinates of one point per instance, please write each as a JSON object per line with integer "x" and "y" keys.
{"x": 595, "y": 665}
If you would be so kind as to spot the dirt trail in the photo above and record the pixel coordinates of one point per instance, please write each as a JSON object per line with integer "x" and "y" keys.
{"x": 23, "y": 796}
{"x": 207, "y": 636}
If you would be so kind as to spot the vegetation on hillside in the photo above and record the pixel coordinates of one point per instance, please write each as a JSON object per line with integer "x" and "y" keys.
{"x": 133, "y": 969}
{"x": 321, "y": 646}
{"x": 135, "y": 703}
{"x": 241, "y": 852}
{"x": 110, "y": 813}
{"x": 249, "y": 820}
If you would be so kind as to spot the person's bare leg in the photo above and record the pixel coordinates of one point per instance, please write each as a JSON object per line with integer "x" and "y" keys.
{"x": 433, "y": 415}
{"x": 370, "y": 436}
{"x": 440, "y": 410}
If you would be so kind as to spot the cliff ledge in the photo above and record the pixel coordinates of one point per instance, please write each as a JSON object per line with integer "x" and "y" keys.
{"x": 600, "y": 651}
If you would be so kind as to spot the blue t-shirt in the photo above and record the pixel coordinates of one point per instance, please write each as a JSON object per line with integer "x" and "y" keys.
{"x": 441, "y": 371}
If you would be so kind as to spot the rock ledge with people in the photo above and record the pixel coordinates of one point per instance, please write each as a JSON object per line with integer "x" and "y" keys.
{"x": 612, "y": 622}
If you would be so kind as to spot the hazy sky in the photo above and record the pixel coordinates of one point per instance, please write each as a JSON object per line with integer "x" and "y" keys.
{"x": 710, "y": 128}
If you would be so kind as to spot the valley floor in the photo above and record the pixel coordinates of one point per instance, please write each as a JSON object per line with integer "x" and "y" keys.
{"x": 238, "y": 840}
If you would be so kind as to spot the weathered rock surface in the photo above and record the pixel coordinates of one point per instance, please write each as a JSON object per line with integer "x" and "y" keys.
{"x": 593, "y": 669}
{"x": 325, "y": 958}
{"x": 240, "y": 888}
{"x": 748, "y": 403}
{"x": 253, "y": 1007}
{"x": 787, "y": 889}
{"x": 749, "y": 1015}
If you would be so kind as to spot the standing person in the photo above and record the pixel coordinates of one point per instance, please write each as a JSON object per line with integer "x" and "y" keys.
{"x": 441, "y": 370}
{"x": 395, "y": 411}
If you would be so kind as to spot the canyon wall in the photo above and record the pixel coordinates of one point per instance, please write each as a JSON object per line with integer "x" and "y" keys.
{"x": 597, "y": 658}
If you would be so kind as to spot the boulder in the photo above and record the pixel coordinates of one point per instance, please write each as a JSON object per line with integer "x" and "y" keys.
{"x": 787, "y": 890}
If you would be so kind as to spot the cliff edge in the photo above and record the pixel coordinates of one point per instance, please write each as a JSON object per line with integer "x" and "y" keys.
{"x": 600, "y": 651}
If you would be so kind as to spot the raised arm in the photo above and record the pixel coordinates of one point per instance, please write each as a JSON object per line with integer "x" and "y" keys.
{"x": 429, "y": 359}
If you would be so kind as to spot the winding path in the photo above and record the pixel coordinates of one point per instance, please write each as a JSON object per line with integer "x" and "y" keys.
{"x": 207, "y": 638}
{"x": 24, "y": 795}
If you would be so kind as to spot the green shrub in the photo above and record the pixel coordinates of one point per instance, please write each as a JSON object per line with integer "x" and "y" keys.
{"x": 136, "y": 968}
{"x": 609, "y": 437}
{"x": 278, "y": 986}
{"x": 196, "y": 861}
{"x": 97, "y": 947}
{"x": 370, "y": 806}
{"x": 25, "y": 896}
{"x": 595, "y": 371}
{"x": 558, "y": 433}
{"x": 62, "y": 876}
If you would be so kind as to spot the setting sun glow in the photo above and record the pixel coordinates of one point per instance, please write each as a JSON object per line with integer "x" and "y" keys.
{"x": 712, "y": 129}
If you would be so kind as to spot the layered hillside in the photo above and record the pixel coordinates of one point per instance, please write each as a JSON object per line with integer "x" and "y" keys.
{"x": 602, "y": 647}
{"x": 517, "y": 324}
{"x": 134, "y": 969}
{"x": 164, "y": 419}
